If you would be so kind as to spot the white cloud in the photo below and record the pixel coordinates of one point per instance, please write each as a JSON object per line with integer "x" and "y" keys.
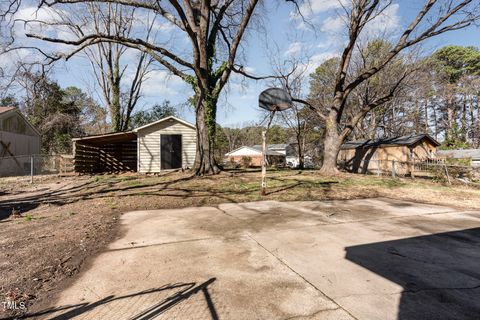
{"x": 249, "y": 69}
{"x": 314, "y": 7}
{"x": 144, "y": 19}
{"x": 163, "y": 83}
{"x": 333, "y": 24}
{"x": 43, "y": 21}
{"x": 293, "y": 48}
{"x": 317, "y": 59}
{"x": 34, "y": 13}
{"x": 387, "y": 21}
{"x": 164, "y": 26}
{"x": 9, "y": 59}
{"x": 329, "y": 42}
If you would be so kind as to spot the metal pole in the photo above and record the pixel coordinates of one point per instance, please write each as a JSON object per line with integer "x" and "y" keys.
{"x": 264, "y": 164}
{"x": 31, "y": 168}
{"x": 412, "y": 171}
{"x": 263, "y": 191}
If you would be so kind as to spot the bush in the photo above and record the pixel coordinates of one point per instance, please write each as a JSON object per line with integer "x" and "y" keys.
{"x": 246, "y": 162}
{"x": 454, "y": 172}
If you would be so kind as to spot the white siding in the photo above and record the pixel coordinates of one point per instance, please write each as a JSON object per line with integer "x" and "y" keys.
{"x": 22, "y": 147}
{"x": 149, "y": 144}
{"x": 20, "y": 144}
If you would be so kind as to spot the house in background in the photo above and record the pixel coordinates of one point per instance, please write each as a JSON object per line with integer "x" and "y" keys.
{"x": 169, "y": 143}
{"x": 19, "y": 140}
{"x": 469, "y": 154}
{"x": 278, "y": 154}
{"x": 275, "y": 155}
{"x": 377, "y": 155}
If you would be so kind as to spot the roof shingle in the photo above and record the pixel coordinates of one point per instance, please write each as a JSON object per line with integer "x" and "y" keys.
{"x": 394, "y": 141}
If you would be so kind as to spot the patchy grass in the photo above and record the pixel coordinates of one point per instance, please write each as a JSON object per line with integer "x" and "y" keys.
{"x": 78, "y": 215}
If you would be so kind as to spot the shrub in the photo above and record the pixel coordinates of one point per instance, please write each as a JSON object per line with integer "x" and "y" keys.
{"x": 231, "y": 163}
{"x": 454, "y": 172}
{"x": 246, "y": 161}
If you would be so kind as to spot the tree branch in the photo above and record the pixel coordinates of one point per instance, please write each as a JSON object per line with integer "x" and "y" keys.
{"x": 129, "y": 42}
{"x": 136, "y": 4}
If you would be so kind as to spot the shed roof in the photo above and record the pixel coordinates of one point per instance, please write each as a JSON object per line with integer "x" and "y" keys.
{"x": 460, "y": 154}
{"x": 118, "y": 137}
{"x": 406, "y": 140}
{"x": 100, "y": 139}
{"x": 170, "y": 118}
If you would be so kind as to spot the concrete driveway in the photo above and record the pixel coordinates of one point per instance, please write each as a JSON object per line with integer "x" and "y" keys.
{"x": 355, "y": 259}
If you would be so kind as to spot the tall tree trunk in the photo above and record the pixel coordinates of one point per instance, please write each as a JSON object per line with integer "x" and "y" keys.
{"x": 115, "y": 108}
{"x": 331, "y": 146}
{"x": 450, "y": 132}
{"x": 205, "y": 163}
{"x": 425, "y": 110}
{"x": 300, "y": 148}
{"x": 464, "y": 125}
{"x": 472, "y": 121}
{"x": 477, "y": 121}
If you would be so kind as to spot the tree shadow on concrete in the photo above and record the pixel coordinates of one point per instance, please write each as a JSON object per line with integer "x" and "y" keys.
{"x": 440, "y": 273}
{"x": 183, "y": 292}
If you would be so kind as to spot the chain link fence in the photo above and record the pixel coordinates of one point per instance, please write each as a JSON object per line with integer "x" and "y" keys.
{"x": 34, "y": 165}
{"x": 438, "y": 170}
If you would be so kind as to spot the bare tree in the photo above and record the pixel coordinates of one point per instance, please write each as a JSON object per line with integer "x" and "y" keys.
{"x": 108, "y": 59}
{"x": 291, "y": 75}
{"x": 380, "y": 85}
{"x": 434, "y": 18}
{"x": 232, "y": 135}
{"x": 214, "y": 28}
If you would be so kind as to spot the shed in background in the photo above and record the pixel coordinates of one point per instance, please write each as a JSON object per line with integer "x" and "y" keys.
{"x": 169, "y": 143}
{"x": 112, "y": 152}
{"x": 19, "y": 140}
{"x": 377, "y": 155}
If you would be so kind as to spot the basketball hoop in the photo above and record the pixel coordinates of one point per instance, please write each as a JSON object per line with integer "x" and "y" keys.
{"x": 273, "y": 100}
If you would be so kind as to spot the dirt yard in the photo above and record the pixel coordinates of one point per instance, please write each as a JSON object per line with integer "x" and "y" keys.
{"x": 59, "y": 222}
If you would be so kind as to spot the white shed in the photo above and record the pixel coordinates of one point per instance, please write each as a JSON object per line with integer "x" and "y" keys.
{"x": 169, "y": 143}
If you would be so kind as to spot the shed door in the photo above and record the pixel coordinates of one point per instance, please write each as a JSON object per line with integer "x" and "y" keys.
{"x": 171, "y": 151}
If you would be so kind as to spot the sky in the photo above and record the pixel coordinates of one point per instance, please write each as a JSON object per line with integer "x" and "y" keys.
{"x": 284, "y": 36}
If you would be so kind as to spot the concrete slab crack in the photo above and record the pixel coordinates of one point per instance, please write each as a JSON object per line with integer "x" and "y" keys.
{"x": 161, "y": 244}
{"x": 311, "y": 314}
{"x": 302, "y": 277}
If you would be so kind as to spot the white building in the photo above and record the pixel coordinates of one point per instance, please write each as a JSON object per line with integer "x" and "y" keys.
{"x": 169, "y": 143}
